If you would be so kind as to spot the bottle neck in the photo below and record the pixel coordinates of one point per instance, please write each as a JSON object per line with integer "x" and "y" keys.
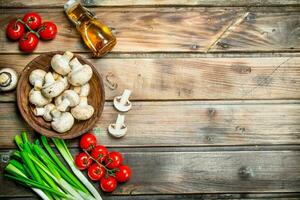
{"x": 78, "y": 14}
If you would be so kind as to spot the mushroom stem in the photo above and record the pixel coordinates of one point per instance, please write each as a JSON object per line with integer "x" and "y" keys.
{"x": 63, "y": 105}
{"x": 125, "y": 96}
{"x": 120, "y": 121}
{"x": 5, "y": 79}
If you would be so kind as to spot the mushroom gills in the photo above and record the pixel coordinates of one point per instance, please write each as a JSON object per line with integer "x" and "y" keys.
{"x": 8, "y": 79}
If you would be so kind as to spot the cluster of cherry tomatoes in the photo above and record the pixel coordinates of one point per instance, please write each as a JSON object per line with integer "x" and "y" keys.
{"x": 102, "y": 165}
{"x": 28, "y": 31}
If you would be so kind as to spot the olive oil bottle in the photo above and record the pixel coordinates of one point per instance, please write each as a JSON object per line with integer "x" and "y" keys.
{"x": 94, "y": 33}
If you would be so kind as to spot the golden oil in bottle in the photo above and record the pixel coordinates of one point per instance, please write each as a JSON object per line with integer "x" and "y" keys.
{"x": 94, "y": 33}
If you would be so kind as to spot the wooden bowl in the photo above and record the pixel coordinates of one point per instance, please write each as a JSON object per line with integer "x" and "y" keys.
{"x": 96, "y": 99}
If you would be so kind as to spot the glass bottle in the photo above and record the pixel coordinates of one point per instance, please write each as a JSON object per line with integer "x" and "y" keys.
{"x": 94, "y": 33}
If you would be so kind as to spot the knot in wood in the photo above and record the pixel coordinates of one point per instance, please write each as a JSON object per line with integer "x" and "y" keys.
{"x": 245, "y": 172}
{"x": 241, "y": 69}
{"x": 223, "y": 45}
{"x": 194, "y": 47}
{"x": 250, "y": 17}
{"x": 211, "y": 112}
{"x": 110, "y": 83}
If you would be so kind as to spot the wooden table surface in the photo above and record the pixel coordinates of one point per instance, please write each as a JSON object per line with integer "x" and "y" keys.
{"x": 216, "y": 95}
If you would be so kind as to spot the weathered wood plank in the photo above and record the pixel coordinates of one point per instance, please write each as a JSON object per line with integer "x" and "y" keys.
{"x": 186, "y": 124}
{"x": 190, "y": 78}
{"x": 177, "y": 29}
{"x": 58, "y": 3}
{"x": 254, "y": 31}
{"x": 202, "y": 172}
{"x": 273, "y": 196}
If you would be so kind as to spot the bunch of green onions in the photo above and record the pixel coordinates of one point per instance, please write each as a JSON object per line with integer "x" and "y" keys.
{"x": 36, "y": 165}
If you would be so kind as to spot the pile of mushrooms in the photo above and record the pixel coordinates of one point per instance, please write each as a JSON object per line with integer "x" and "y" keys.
{"x": 60, "y": 96}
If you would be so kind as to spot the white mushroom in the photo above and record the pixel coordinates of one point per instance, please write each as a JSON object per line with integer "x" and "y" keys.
{"x": 118, "y": 129}
{"x": 60, "y": 63}
{"x": 36, "y": 78}
{"x": 8, "y": 79}
{"x": 64, "y": 79}
{"x": 44, "y": 111}
{"x": 37, "y": 99}
{"x": 62, "y": 121}
{"x": 80, "y": 74}
{"x": 82, "y": 111}
{"x": 69, "y": 99}
{"x": 51, "y": 87}
{"x": 82, "y": 91}
{"x": 122, "y": 103}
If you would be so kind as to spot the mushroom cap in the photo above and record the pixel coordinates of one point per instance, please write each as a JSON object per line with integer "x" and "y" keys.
{"x": 122, "y": 107}
{"x": 60, "y": 63}
{"x": 72, "y": 96}
{"x": 53, "y": 90}
{"x": 80, "y": 75}
{"x": 117, "y": 132}
{"x": 36, "y": 98}
{"x": 63, "y": 123}
{"x": 8, "y": 79}
{"x": 51, "y": 87}
{"x": 36, "y": 78}
{"x": 82, "y": 112}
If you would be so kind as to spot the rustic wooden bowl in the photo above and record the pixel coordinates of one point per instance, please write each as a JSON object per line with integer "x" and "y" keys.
{"x": 96, "y": 98}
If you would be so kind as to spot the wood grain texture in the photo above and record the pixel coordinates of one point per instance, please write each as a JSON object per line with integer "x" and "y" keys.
{"x": 176, "y": 29}
{"x": 58, "y": 3}
{"x": 190, "y": 78}
{"x": 186, "y": 124}
{"x": 249, "y": 196}
{"x": 201, "y": 172}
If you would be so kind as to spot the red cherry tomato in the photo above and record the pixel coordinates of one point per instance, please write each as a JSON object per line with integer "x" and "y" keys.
{"x": 123, "y": 174}
{"x": 95, "y": 172}
{"x": 33, "y": 20}
{"x": 108, "y": 184}
{"x": 83, "y": 161}
{"x": 99, "y": 153}
{"x": 113, "y": 160}
{"x": 88, "y": 141}
{"x": 47, "y": 30}
{"x": 14, "y": 30}
{"x": 28, "y": 42}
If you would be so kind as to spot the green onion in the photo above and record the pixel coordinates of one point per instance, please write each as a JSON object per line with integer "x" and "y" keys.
{"x": 38, "y": 167}
{"x": 65, "y": 171}
{"x": 62, "y": 147}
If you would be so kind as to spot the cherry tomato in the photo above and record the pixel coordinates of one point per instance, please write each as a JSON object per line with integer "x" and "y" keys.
{"x": 14, "y": 30}
{"x": 33, "y": 20}
{"x": 47, "y": 30}
{"x": 108, "y": 184}
{"x": 88, "y": 141}
{"x": 83, "y": 161}
{"x": 28, "y": 42}
{"x": 95, "y": 172}
{"x": 123, "y": 174}
{"x": 99, "y": 153}
{"x": 113, "y": 160}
